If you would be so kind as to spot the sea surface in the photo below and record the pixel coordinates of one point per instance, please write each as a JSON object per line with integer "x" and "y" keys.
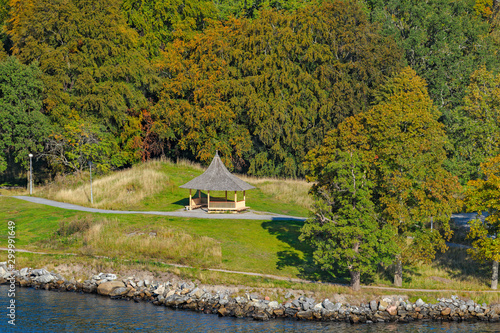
{"x": 49, "y": 311}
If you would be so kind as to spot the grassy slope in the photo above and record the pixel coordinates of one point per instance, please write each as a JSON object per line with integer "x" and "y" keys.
{"x": 269, "y": 247}
{"x": 155, "y": 186}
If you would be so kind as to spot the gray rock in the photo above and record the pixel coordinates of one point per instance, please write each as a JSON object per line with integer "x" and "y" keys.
{"x": 119, "y": 291}
{"x": 39, "y": 272}
{"x": 274, "y": 305}
{"x": 463, "y": 307}
{"x": 337, "y": 307}
{"x": 470, "y": 303}
{"x": 288, "y": 295}
{"x": 24, "y": 271}
{"x": 140, "y": 284}
{"x": 110, "y": 277}
{"x": 328, "y": 305}
{"x": 318, "y": 307}
{"x": 419, "y": 303}
{"x": 296, "y": 303}
{"x": 374, "y": 306}
{"x": 44, "y": 278}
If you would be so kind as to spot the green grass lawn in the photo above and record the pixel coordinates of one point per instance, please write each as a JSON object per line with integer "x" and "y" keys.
{"x": 269, "y": 247}
{"x": 155, "y": 185}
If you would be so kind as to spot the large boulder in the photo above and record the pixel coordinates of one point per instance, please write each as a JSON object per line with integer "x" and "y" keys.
{"x": 119, "y": 291}
{"x": 107, "y": 287}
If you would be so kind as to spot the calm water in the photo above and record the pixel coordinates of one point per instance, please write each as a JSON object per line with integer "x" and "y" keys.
{"x": 48, "y": 311}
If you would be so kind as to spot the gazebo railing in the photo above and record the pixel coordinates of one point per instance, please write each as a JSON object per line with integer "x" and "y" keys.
{"x": 227, "y": 204}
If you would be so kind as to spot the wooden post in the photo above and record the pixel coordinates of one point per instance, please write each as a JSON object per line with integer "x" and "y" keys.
{"x": 244, "y": 198}
{"x": 208, "y": 199}
{"x": 235, "y": 199}
{"x": 226, "y": 196}
{"x": 190, "y": 206}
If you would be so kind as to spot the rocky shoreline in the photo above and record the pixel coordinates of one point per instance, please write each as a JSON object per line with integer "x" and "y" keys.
{"x": 186, "y": 295}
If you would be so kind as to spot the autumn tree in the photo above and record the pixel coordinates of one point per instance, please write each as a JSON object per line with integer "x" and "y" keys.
{"x": 23, "y": 127}
{"x": 159, "y": 22}
{"x": 403, "y": 142}
{"x": 483, "y": 196}
{"x": 193, "y": 113}
{"x": 344, "y": 229}
{"x": 279, "y": 81}
{"x": 92, "y": 68}
{"x": 476, "y": 125}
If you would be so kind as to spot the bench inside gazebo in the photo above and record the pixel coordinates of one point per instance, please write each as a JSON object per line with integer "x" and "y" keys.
{"x": 217, "y": 178}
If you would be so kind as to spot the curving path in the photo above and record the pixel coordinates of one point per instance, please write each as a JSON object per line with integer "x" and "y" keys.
{"x": 251, "y": 215}
{"x": 197, "y": 213}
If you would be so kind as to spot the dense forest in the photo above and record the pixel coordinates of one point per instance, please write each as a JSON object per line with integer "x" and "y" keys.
{"x": 263, "y": 82}
{"x": 388, "y": 106}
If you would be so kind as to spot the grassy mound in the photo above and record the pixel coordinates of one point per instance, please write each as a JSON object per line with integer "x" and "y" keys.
{"x": 155, "y": 185}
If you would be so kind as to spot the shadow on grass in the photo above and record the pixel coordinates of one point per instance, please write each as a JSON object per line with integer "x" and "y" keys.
{"x": 460, "y": 266}
{"x": 288, "y": 231}
{"x": 182, "y": 203}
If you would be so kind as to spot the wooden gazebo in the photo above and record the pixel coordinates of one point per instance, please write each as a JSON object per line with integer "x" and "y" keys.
{"x": 217, "y": 178}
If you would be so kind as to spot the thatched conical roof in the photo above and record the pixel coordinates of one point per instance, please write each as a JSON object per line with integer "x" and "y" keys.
{"x": 217, "y": 178}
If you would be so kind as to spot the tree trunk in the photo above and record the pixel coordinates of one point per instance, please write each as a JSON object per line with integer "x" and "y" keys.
{"x": 494, "y": 277}
{"x": 355, "y": 280}
{"x": 398, "y": 273}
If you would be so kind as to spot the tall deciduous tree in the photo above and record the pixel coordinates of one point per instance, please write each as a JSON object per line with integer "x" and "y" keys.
{"x": 475, "y": 128}
{"x": 92, "y": 68}
{"x": 158, "y": 22}
{"x": 484, "y": 196}
{"x": 344, "y": 230}
{"x": 403, "y": 142}
{"x": 23, "y": 127}
{"x": 286, "y": 78}
{"x": 444, "y": 42}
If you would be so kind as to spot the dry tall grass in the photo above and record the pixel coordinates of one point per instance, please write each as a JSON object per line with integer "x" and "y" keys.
{"x": 119, "y": 189}
{"x": 161, "y": 244}
{"x": 93, "y": 236}
{"x": 294, "y": 191}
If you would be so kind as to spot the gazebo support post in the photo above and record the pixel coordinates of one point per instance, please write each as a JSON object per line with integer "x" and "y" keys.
{"x": 208, "y": 199}
{"x": 244, "y": 198}
{"x": 190, "y": 206}
{"x": 235, "y": 199}
{"x": 226, "y": 196}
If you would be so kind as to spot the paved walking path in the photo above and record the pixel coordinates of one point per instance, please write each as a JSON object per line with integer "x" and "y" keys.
{"x": 196, "y": 213}
{"x": 251, "y": 215}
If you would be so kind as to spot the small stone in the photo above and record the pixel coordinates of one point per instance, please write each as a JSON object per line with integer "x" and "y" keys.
{"x": 308, "y": 315}
{"x": 419, "y": 303}
{"x": 328, "y": 305}
{"x": 318, "y": 307}
{"x": 273, "y": 305}
{"x": 446, "y": 312}
{"x": 261, "y": 316}
{"x": 267, "y": 298}
{"x": 392, "y": 310}
{"x": 373, "y": 306}
{"x": 383, "y": 305}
